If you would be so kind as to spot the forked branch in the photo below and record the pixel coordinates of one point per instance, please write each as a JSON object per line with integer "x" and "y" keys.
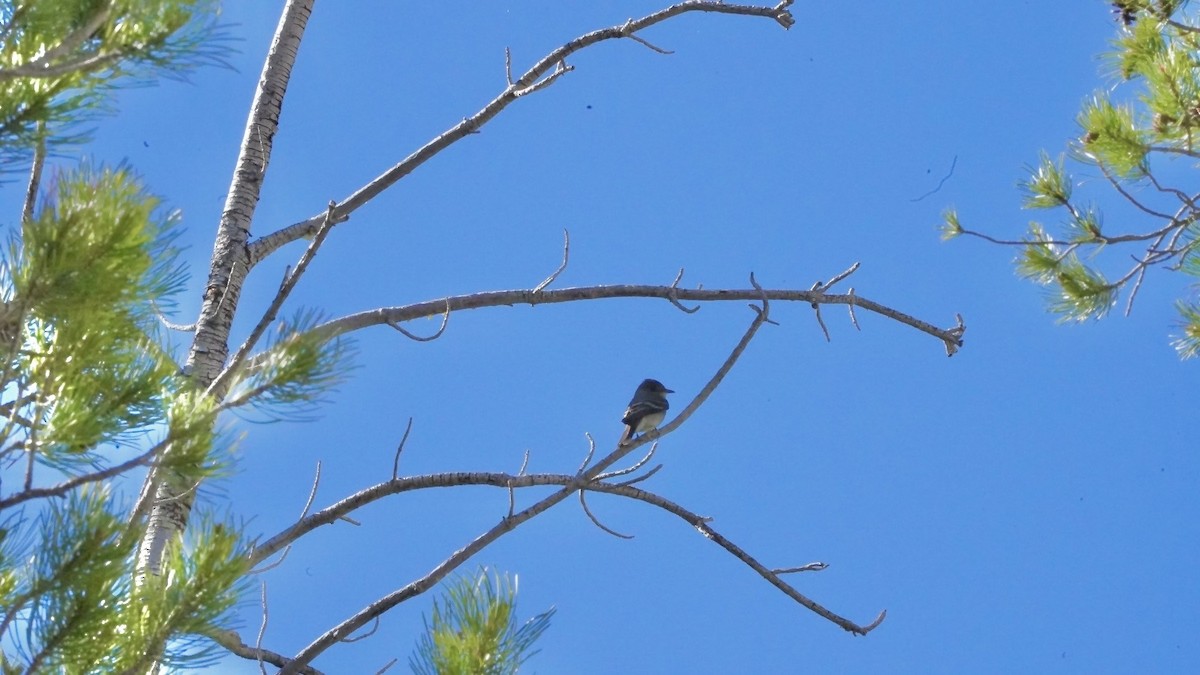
{"x": 569, "y": 483}
{"x": 542, "y": 74}
{"x": 951, "y": 337}
{"x": 507, "y": 524}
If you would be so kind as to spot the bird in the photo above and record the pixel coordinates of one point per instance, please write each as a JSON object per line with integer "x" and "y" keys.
{"x": 646, "y": 409}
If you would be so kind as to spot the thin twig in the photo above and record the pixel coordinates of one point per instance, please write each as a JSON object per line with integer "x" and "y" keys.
{"x": 30, "y": 458}
{"x": 566, "y": 256}
{"x": 277, "y": 563}
{"x": 625, "y": 472}
{"x": 312, "y": 493}
{"x": 810, "y": 567}
{"x": 559, "y": 71}
{"x": 383, "y": 604}
{"x": 673, "y": 297}
{"x": 571, "y": 482}
{"x": 365, "y": 635}
{"x": 629, "y": 34}
{"x": 954, "y": 343}
{"x": 765, "y": 311}
{"x": 853, "y": 318}
{"x": 285, "y": 289}
{"x": 941, "y": 182}
{"x": 850, "y": 270}
{"x": 234, "y": 645}
{"x": 596, "y": 521}
{"x": 264, "y": 246}
{"x": 262, "y": 629}
{"x": 68, "y": 485}
{"x": 170, "y": 325}
{"x": 35, "y": 174}
{"x": 653, "y": 470}
{"x": 591, "y": 451}
{"x": 816, "y": 288}
{"x": 441, "y": 329}
{"x": 400, "y": 449}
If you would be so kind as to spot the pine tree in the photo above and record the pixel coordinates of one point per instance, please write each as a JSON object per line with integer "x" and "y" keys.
{"x": 1130, "y": 133}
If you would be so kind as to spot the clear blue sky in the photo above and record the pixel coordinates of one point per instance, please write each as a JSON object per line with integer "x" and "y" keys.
{"x": 1029, "y": 505}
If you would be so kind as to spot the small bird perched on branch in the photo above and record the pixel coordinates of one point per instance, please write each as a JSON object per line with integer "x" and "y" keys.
{"x": 646, "y": 409}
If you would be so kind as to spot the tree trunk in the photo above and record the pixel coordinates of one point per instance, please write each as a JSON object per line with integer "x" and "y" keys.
{"x": 230, "y": 262}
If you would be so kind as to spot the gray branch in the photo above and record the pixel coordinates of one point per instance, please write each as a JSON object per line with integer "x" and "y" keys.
{"x": 541, "y": 74}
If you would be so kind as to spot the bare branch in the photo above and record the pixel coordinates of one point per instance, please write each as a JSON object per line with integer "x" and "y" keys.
{"x": 629, "y": 34}
{"x": 561, "y": 69}
{"x": 596, "y": 521}
{"x": 642, "y": 477}
{"x": 674, "y": 296}
{"x": 765, "y": 310}
{"x": 68, "y": 485}
{"x": 285, "y": 289}
{"x": 277, "y": 563}
{"x": 572, "y": 482}
{"x": 170, "y": 325}
{"x": 508, "y": 524}
{"x": 441, "y": 329}
{"x": 702, "y": 524}
{"x": 400, "y": 449}
{"x": 850, "y": 270}
{"x": 591, "y": 451}
{"x": 1137, "y": 285}
{"x": 262, "y": 629}
{"x": 816, "y": 288}
{"x": 512, "y": 494}
{"x": 810, "y": 567}
{"x": 566, "y": 256}
{"x": 1120, "y": 188}
{"x": 312, "y": 493}
{"x": 365, "y": 635}
{"x": 35, "y": 174}
{"x": 233, "y": 643}
{"x": 850, "y": 305}
{"x": 956, "y": 333}
{"x": 537, "y": 76}
{"x": 387, "y": 315}
{"x": 941, "y": 182}
{"x": 625, "y": 472}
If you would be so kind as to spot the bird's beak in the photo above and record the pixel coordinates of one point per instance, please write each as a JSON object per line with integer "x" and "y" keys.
{"x": 668, "y": 391}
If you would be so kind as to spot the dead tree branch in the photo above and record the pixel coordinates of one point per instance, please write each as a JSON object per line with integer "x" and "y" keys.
{"x": 507, "y": 481}
{"x": 232, "y": 642}
{"x": 511, "y": 522}
{"x": 543, "y": 73}
{"x": 285, "y": 289}
{"x": 952, "y": 337}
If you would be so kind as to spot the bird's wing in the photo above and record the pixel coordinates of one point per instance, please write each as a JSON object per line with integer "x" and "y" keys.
{"x": 640, "y": 409}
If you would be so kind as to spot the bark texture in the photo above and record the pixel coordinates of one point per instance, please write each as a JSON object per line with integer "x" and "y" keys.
{"x": 173, "y": 498}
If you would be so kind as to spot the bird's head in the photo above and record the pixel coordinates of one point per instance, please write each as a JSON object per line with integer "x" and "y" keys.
{"x": 654, "y": 386}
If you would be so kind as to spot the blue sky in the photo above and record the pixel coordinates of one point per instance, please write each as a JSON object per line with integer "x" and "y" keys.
{"x": 1028, "y": 505}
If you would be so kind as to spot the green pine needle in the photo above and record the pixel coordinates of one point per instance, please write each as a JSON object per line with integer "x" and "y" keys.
{"x": 474, "y": 630}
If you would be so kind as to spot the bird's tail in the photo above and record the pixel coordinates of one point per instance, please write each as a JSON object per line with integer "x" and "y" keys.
{"x": 626, "y": 435}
